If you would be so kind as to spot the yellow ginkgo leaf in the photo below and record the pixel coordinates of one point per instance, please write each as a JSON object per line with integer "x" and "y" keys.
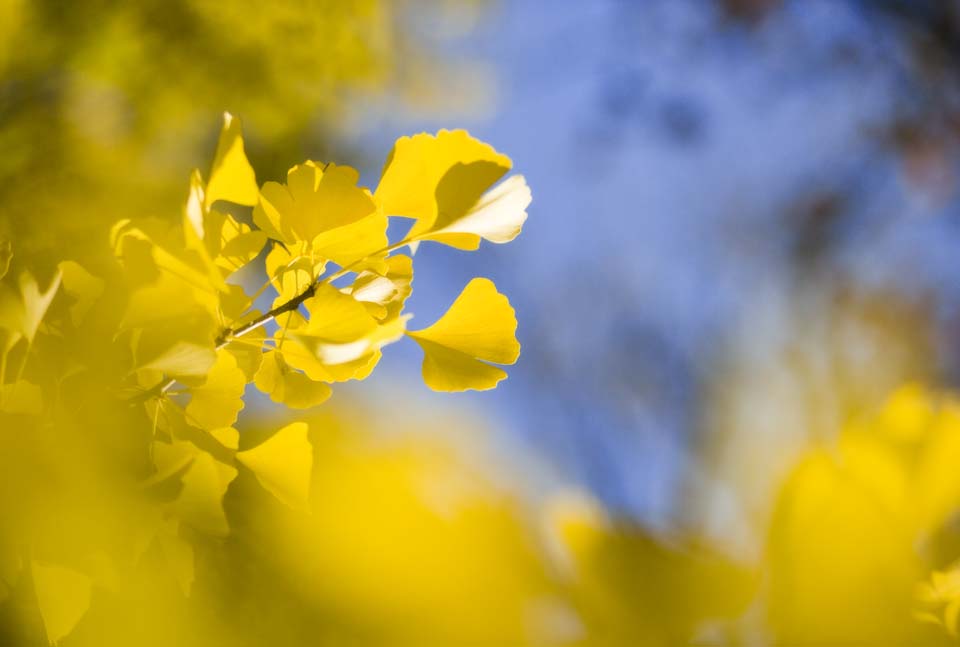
{"x": 496, "y": 216}
{"x": 336, "y": 317}
{"x": 217, "y": 401}
{"x": 82, "y": 286}
{"x": 63, "y": 596}
{"x": 35, "y": 302}
{"x": 317, "y": 199}
{"x": 354, "y": 241}
{"x": 283, "y": 464}
{"x": 288, "y": 386}
{"x": 301, "y": 354}
{"x": 181, "y": 358}
{"x": 479, "y": 327}
{"x": 200, "y": 503}
{"x": 231, "y": 178}
{"x": 416, "y": 165}
{"x": 385, "y": 294}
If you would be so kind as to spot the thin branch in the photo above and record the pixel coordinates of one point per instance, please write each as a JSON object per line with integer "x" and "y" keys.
{"x": 230, "y": 334}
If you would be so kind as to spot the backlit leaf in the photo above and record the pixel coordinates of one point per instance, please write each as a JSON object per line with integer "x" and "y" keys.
{"x": 282, "y": 464}
{"x": 217, "y": 401}
{"x": 63, "y": 596}
{"x": 479, "y": 327}
{"x": 231, "y": 178}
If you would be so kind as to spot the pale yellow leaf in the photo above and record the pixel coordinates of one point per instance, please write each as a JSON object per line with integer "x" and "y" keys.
{"x": 479, "y": 327}
{"x": 200, "y": 503}
{"x": 231, "y": 178}
{"x": 63, "y": 596}
{"x": 416, "y": 166}
{"x": 217, "y": 401}
{"x": 282, "y": 465}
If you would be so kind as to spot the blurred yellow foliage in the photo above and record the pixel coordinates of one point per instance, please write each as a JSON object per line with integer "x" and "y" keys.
{"x": 855, "y": 525}
{"x": 103, "y": 105}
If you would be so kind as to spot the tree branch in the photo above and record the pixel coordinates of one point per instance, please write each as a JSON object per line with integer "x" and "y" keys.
{"x": 229, "y": 334}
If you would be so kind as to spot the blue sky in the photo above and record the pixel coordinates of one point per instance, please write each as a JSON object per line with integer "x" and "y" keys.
{"x": 667, "y": 149}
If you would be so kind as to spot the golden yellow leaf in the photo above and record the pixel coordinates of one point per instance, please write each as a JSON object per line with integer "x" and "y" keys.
{"x": 282, "y": 465}
{"x": 416, "y": 165}
{"x": 63, "y": 596}
{"x": 336, "y": 317}
{"x": 316, "y": 200}
{"x": 231, "y": 178}
{"x": 217, "y": 401}
{"x": 200, "y": 503}
{"x": 385, "y": 294}
{"x": 479, "y": 327}
{"x": 288, "y": 386}
{"x": 497, "y": 216}
{"x": 35, "y": 302}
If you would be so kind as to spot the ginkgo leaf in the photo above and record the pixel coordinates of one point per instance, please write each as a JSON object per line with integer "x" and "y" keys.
{"x": 416, "y": 165}
{"x": 228, "y": 437}
{"x": 288, "y": 386}
{"x": 354, "y": 241}
{"x": 63, "y": 596}
{"x": 282, "y": 464}
{"x": 248, "y": 351}
{"x": 183, "y": 358}
{"x": 200, "y": 503}
{"x": 82, "y": 286}
{"x": 231, "y": 178}
{"x": 336, "y": 317}
{"x": 35, "y": 302}
{"x": 317, "y": 199}
{"x": 479, "y": 327}
{"x": 497, "y": 216}
{"x": 385, "y": 294}
{"x": 217, "y": 401}
{"x": 241, "y": 245}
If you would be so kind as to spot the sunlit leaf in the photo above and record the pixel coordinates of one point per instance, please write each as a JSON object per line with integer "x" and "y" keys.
{"x": 200, "y": 503}
{"x": 282, "y": 464}
{"x": 217, "y": 401}
{"x": 479, "y": 327}
{"x": 497, "y": 216}
{"x": 231, "y": 178}
{"x": 35, "y": 302}
{"x": 384, "y": 294}
{"x": 287, "y": 386}
{"x": 63, "y": 596}
{"x": 416, "y": 165}
{"x": 318, "y": 199}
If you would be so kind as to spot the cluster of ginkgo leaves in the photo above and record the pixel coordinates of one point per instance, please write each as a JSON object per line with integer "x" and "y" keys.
{"x": 170, "y": 339}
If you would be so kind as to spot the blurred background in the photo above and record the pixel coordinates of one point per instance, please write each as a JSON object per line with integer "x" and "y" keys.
{"x": 738, "y": 293}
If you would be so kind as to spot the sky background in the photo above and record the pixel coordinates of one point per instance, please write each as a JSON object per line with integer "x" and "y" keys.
{"x": 672, "y": 151}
